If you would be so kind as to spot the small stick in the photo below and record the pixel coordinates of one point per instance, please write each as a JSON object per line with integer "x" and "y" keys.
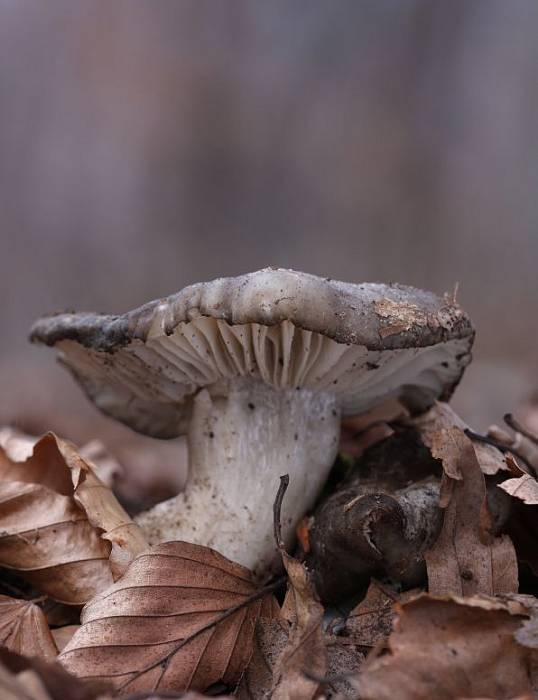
{"x": 277, "y": 508}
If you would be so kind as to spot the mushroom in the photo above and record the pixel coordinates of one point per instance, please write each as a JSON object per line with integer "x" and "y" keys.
{"x": 257, "y": 370}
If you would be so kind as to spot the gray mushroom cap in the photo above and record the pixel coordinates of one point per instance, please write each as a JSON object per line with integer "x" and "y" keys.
{"x": 371, "y": 340}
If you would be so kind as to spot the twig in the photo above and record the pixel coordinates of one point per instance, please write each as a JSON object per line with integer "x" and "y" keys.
{"x": 503, "y": 448}
{"x": 277, "y": 507}
{"x": 511, "y": 422}
{"x": 165, "y": 659}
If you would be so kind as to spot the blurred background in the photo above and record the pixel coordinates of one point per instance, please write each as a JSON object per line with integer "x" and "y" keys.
{"x": 148, "y": 145}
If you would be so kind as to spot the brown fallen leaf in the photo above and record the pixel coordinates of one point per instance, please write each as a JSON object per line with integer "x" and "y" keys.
{"x": 18, "y": 446}
{"x": 524, "y": 487}
{"x": 354, "y": 446}
{"x": 271, "y": 636}
{"x": 367, "y": 626}
{"x": 105, "y": 465}
{"x": 370, "y": 622}
{"x": 360, "y": 432}
{"x": 289, "y": 651}
{"x": 305, "y": 649}
{"x": 445, "y": 648}
{"x": 24, "y": 678}
{"x": 24, "y": 628}
{"x": 466, "y": 558}
{"x": 181, "y": 617}
{"x": 344, "y": 660}
{"x": 104, "y": 512}
{"x": 63, "y": 635}
{"x": 53, "y": 511}
{"x": 436, "y": 428}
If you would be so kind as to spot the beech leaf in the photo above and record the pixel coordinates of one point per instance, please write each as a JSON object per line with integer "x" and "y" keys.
{"x": 451, "y": 647}
{"x": 370, "y": 622}
{"x": 524, "y": 487}
{"x": 290, "y": 651}
{"x": 437, "y": 428}
{"x": 63, "y": 635}
{"x": 181, "y": 617}
{"x": 55, "y": 519}
{"x": 270, "y": 638}
{"x": 466, "y": 559}
{"x": 23, "y": 678}
{"x": 305, "y": 649}
{"x": 24, "y": 628}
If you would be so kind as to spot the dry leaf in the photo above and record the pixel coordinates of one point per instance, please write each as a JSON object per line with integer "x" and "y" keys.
{"x": 270, "y": 638}
{"x": 360, "y": 432}
{"x": 182, "y": 616}
{"x": 104, "y": 512}
{"x": 387, "y": 412}
{"x": 23, "y": 678}
{"x": 24, "y": 628}
{"x": 436, "y": 428}
{"x": 524, "y": 487}
{"x": 467, "y": 559}
{"x": 452, "y": 647}
{"x": 18, "y": 446}
{"x": 105, "y": 465}
{"x": 63, "y": 635}
{"x": 293, "y": 647}
{"x": 45, "y": 531}
{"x": 305, "y": 650}
{"x": 344, "y": 660}
{"x": 370, "y": 622}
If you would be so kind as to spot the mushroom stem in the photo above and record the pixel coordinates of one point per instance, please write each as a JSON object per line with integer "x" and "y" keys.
{"x": 242, "y": 438}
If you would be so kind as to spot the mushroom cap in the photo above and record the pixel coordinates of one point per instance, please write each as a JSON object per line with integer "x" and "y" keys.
{"x": 144, "y": 367}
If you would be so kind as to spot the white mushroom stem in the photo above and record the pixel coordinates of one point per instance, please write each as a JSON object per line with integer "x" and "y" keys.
{"x": 242, "y": 438}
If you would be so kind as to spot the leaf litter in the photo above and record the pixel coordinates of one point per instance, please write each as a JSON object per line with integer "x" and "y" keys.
{"x": 178, "y": 616}
{"x": 61, "y": 528}
{"x": 181, "y": 617}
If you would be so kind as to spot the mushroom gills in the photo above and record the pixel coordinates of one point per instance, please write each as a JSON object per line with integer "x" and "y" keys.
{"x": 155, "y": 376}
